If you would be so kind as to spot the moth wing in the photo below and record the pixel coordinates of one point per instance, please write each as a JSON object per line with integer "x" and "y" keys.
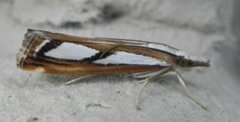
{"x": 154, "y": 45}
{"x": 122, "y": 41}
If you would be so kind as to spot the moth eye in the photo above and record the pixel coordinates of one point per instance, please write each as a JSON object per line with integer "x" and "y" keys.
{"x": 183, "y": 63}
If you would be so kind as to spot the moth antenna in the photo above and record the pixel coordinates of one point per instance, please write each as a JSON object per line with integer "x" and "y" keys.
{"x": 77, "y": 79}
{"x": 182, "y": 82}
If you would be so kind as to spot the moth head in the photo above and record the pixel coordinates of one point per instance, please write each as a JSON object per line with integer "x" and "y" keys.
{"x": 191, "y": 61}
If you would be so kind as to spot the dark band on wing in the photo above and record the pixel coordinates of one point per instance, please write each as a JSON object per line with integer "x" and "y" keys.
{"x": 99, "y": 55}
{"x": 56, "y": 43}
{"x": 49, "y": 46}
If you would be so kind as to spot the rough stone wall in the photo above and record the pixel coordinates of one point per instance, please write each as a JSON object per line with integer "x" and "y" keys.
{"x": 208, "y": 28}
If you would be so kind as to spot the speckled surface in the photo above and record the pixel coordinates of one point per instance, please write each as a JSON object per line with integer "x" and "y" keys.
{"x": 206, "y": 28}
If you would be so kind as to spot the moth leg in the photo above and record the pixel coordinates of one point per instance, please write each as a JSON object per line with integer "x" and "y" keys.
{"x": 182, "y": 82}
{"x": 141, "y": 75}
{"x": 77, "y": 79}
{"x": 150, "y": 78}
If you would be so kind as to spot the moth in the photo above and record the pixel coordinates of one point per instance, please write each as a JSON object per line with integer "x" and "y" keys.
{"x": 57, "y": 53}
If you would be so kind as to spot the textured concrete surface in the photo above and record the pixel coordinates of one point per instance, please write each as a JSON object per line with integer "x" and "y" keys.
{"x": 208, "y": 28}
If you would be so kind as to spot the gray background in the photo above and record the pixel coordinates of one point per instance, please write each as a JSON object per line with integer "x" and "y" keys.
{"x": 208, "y": 28}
